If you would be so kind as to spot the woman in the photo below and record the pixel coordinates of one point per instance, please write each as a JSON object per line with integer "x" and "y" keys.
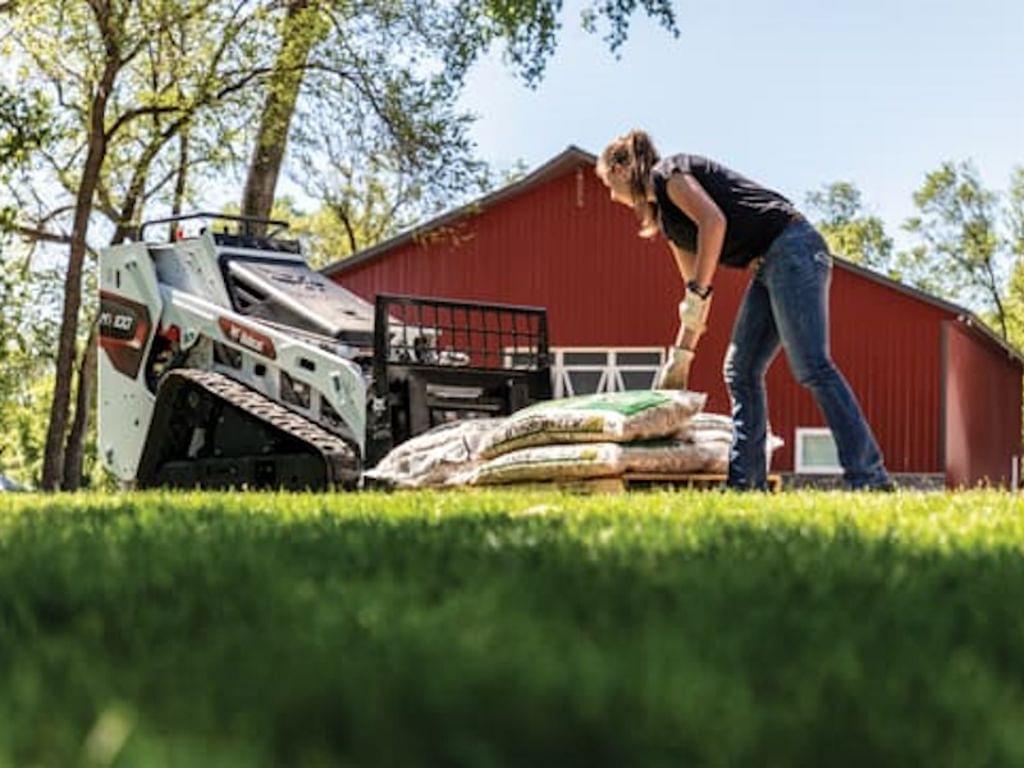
{"x": 711, "y": 216}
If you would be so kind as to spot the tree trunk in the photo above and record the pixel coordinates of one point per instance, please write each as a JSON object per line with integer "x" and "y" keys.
{"x": 74, "y": 453}
{"x": 181, "y": 182}
{"x": 298, "y": 36}
{"x": 342, "y": 215}
{"x": 53, "y": 454}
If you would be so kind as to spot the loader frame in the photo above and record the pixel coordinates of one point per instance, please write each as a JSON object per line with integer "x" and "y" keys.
{"x": 504, "y": 366}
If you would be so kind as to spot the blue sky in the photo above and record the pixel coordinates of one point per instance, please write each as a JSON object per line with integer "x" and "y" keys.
{"x": 793, "y": 94}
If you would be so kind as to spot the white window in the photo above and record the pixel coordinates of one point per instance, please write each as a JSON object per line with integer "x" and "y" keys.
{"x": 816, "y": 451}
{"x": 584, "y": 371}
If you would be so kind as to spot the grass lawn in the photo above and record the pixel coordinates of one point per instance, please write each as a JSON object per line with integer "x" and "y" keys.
{"x": 495, "y": 629}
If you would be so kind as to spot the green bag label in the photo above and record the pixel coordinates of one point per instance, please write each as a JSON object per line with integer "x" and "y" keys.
{"x": 625, "y": 403}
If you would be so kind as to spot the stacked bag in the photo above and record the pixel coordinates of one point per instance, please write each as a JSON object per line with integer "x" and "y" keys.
{"x": 602, "y": 435}
{"x": 579, "y": 438}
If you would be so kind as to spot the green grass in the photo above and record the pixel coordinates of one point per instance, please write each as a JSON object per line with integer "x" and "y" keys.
{"x": 499, "y": 629}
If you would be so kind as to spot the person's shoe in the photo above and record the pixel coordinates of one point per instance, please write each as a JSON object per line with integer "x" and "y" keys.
{"x": 885, "y": 486}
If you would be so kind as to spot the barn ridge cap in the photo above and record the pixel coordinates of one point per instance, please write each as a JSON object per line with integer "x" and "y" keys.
{"x": 563, "y": 161}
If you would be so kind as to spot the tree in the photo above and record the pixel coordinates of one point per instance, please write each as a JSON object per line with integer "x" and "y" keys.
{"x": 960, "y": 252}
{"x": 1014, "y": 216}
{"x": 28, "y": 296}
{"x": 368, "y": 205}
{"x": 115, "y": 70}
{"x": 303, "y": 25}
{"x": 140, "y": 93}
{"x": 384, "y": 58}
{"x": 849, "y": 231}
{"x": 368, "y": 187}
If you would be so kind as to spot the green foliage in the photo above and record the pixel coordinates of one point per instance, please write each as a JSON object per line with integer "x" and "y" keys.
{"x": 24, "y": 125}
{"x": 528, "y": 31}
{"x": 363, "y": 207}
{"x": 28, "y": 331}
{"x": 969, "y": 241}
{"x": 512, "y": 629}
{"x": 850, "y": 232}
{"x": 177, "y": 65}
{"x": 1014, "y": 214}
{"x": 23, "y": 428}
{"x": 960, "y": 252}
{"x": 395, "y": 71}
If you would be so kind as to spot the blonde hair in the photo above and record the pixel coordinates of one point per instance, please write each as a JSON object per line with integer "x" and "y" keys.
{"x": 636, "y": 152}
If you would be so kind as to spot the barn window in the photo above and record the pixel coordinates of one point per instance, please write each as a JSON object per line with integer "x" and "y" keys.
{"x": 816, "y": 451}
{"x": 586, "y": 371}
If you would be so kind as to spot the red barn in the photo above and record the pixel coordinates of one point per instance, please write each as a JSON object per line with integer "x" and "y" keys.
{"x": 941, "y": 392}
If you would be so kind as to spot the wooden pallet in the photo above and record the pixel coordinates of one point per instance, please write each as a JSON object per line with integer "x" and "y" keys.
{"x": 635, "y": 481}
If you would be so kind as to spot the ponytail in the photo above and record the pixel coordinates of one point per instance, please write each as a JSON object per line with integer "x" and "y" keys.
{"x": 636, "y": 152}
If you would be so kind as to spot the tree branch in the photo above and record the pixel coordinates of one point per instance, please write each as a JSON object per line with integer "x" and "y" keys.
{"x": 137, "y": 112}
{"x": 189, "y": 109}
{"x": 164, "y": 181}
{"x": 54, "y": 214}
{"x": 104, "y": 202}
{"x": 34, "y": 235}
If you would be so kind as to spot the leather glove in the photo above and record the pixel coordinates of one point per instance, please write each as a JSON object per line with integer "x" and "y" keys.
{"x": 693, "y": 311}
{"x": 675, "y": 374}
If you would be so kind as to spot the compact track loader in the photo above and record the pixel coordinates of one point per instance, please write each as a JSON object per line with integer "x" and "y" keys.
{"x": 226, "y": 362}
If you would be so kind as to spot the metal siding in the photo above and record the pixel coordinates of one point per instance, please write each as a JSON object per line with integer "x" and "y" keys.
{"x": 605, "y": 287}
{"x": 983, "y": 410}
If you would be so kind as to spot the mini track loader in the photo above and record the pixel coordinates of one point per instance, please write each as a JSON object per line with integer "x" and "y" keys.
{"x": 227, "y": 362}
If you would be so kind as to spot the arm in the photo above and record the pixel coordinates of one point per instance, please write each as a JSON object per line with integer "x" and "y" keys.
{"x": 689, "y": 196}
{"x": 685, "y": 260}
{"x": 687, "y": 263}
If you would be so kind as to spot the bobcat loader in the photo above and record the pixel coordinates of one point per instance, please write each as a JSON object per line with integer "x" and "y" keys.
{"x": 226, "y": 361}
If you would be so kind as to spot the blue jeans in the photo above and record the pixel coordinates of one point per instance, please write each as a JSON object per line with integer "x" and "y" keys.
{"x": 787, "y": 304}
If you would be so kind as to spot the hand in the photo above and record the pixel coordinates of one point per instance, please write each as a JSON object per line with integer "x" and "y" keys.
{"x": 693, "y": 311}
{"x": 675, "y": 374}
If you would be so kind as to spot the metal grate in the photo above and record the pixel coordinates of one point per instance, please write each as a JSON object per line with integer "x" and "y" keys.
{"x": 439, "y": 332}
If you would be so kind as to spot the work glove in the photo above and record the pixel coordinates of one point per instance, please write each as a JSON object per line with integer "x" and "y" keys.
{"x": 693, "y": 311}
{"x": 675, "y": 374}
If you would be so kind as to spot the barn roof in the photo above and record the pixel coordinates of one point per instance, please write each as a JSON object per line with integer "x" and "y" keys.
{"x": 556, "y": 166}
{"x": 570, "y": 159}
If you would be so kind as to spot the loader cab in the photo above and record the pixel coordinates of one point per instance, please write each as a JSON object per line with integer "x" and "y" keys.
{"x": 279, "y": 287}
{"x": 265, "y": 276}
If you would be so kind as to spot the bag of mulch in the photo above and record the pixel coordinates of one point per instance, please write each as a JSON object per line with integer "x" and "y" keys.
{"x": 436, "y": 456}
{"x": 579, "y": 461}
{"x": 703, "y": 454}
{"x": 707, "y": 425}
{"x": 672, "y": 457}
{"x": 616, "y": 417}
{"x": 714, "y": 441}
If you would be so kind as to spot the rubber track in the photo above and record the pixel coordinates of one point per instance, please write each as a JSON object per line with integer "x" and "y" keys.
{"x": 340, "y": 457}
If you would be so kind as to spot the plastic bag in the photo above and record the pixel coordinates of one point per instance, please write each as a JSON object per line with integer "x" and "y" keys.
{"x": 578, "y": 461}
{"x": 436, "y": 456}
{"x": 673, "y": 457}
{"x": 617, "y": 417}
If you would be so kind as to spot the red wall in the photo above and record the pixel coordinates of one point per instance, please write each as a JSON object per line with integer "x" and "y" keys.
{"x": 983, "y": 409}
{"x": 563, "y": 245}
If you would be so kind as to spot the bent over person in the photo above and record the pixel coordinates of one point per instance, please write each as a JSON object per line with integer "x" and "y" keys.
{"x": 711, "y": 216}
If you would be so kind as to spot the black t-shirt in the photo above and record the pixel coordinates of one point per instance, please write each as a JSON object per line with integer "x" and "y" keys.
{"x": 754, "y": 215}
